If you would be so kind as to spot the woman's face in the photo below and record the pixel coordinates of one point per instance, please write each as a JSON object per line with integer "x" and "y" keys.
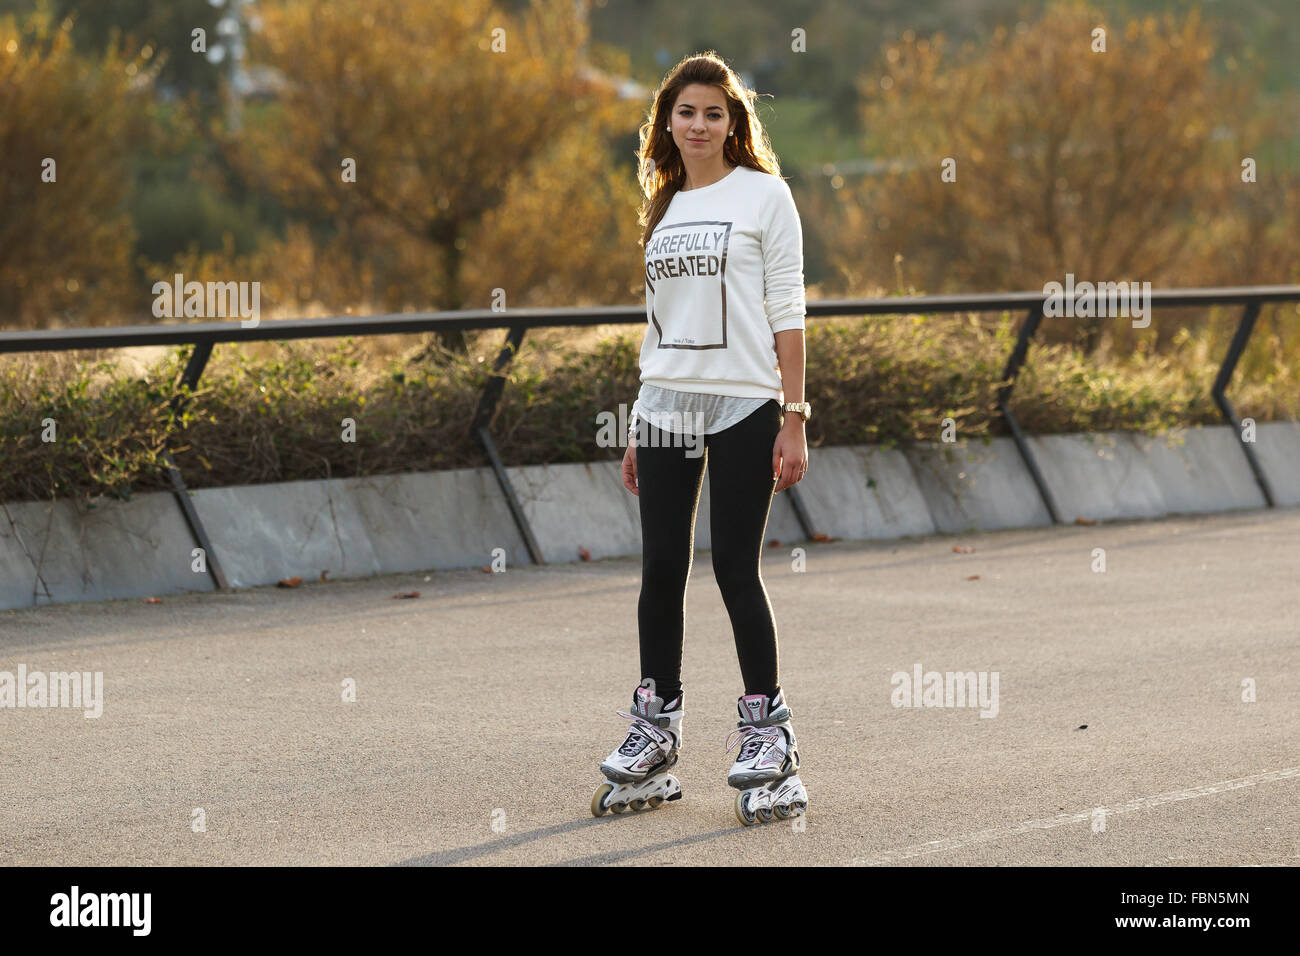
{"x": 700, "y": 121}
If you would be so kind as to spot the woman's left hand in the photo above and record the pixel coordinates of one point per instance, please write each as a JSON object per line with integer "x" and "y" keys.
{"x": 790, "y": 456}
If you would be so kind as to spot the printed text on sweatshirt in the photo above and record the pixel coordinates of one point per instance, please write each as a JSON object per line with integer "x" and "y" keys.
{"x": 724, "y": 273}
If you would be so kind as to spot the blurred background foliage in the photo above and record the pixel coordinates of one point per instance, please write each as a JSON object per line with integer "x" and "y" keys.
{"x": 479, "y": 170}
{"x": 489, "y": 178}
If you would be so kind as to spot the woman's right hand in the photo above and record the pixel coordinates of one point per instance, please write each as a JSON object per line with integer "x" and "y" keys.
{"x": 629, "y": 470}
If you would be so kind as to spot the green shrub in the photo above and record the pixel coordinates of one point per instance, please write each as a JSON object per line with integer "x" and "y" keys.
{"x": 276, "y": 411}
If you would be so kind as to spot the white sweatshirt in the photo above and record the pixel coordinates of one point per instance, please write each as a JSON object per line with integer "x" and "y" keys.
{"x": 724, "y": 272}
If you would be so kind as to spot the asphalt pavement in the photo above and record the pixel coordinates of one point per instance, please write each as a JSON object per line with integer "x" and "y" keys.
{"x": 1147, "y": 713}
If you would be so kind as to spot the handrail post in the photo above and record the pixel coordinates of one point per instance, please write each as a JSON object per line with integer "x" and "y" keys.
{"x": 483, "y": 416}
{"x": 1238, "y": 345}
{"x": 190, "y": 378}
{"x": 1011, "y": 372}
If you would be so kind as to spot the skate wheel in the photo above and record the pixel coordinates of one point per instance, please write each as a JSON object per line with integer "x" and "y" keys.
{"x": 742, "y": 810}
{"x": 618, "y": 807}
{"x": 765, "y": 814}
{"x": 781, "y": 812}
{"x": 654, "y": 802}
{"x": 638, "y": 804}
{"x": 598, "y": 807}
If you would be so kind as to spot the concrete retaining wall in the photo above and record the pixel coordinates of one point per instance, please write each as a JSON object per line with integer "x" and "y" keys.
{"x": 356, "y": 527}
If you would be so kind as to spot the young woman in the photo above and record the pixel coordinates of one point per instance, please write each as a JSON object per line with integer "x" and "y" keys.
{"x": 722, "y": 368}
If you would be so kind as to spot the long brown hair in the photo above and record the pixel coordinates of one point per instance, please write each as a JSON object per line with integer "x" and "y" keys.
{"x": 661, "y": 171}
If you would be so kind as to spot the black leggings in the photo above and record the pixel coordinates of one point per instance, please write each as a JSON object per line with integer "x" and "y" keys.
{"x": 741, "y": 487}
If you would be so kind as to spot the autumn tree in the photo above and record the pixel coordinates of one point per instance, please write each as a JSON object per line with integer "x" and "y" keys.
{"x": 161, "y": 25}
{"x": 1072, "y": 145}
{"x": 65, "y": 125}
{"x": 412, "y": 127}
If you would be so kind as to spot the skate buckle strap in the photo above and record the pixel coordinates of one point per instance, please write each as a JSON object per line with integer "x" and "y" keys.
{"x": 660, "y": 720}
{"x": 655, "y": 733}
{"x": 743, "y": 732}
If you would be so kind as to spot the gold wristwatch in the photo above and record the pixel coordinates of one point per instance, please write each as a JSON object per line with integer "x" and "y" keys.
{"x": 803, "y": 408}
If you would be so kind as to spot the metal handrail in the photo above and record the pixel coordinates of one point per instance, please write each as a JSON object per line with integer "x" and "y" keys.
{"x": 204, "y": 335}
{"x": 405, "y": 323}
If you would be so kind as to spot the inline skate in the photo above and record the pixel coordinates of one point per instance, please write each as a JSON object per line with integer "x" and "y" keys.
{"x": 636, "y": 774}
{"x": 766, "y": 771}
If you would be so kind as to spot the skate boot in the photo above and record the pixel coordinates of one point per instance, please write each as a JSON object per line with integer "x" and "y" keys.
{"x": 766, "y": 771}
{"x": 636, "y": 774}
